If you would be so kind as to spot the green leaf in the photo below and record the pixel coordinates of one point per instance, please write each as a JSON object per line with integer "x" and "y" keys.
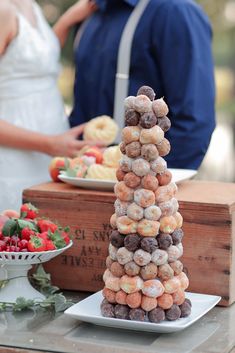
{"x": 26, "y": 224}
{"x": 71, "y": 172}
{"x": 22, "y": 304}
{"x": 9, "y": 228}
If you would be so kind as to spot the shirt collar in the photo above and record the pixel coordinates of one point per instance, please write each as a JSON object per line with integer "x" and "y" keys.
{"x": 102, "y": 3}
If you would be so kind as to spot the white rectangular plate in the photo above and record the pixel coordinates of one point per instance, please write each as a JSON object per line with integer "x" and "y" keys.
{"x": 178, "y": 175}
{"x": 88, "y": 310}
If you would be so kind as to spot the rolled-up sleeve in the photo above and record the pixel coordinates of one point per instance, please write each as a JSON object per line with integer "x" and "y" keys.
{"x": 182, "y": 48}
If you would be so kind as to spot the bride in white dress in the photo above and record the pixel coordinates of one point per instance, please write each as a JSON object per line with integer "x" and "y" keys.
{"x": 32, "y": 120}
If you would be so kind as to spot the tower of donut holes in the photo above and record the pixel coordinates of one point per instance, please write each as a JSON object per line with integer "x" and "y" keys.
{"x": 144, "y": 279}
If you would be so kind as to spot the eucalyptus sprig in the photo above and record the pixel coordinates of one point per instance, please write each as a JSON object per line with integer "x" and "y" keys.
{"x": 53, "y": 301}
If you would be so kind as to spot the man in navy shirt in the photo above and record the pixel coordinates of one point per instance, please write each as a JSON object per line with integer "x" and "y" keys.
{"x": 171, "y": 52}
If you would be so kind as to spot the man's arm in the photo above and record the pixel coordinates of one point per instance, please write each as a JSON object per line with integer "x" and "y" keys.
{"x": 183, "y": 51}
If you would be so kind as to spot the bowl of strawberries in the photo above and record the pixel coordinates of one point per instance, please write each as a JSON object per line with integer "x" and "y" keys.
{"x": 25, "y": 240}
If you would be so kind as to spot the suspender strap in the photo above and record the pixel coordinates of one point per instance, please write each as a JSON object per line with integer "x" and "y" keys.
{"x": 123, "y": 63}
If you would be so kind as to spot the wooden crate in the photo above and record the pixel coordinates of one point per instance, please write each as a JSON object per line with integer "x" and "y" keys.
{"x": 208, "y": 209}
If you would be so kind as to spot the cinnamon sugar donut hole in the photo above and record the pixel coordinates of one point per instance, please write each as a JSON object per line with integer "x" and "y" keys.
{"x": 178, "y": 296}
{"x": 164, "y": 178}
{"x": 149, "y": 182}
{"x": 144, "y": 197}
{"x": 122, "y": 147}
{"x": 165, "y": 301}
{"x": 164, "y": 148}
{"x": 122, "y": 191}
{"x": 126, "y": 225}
{"x": 130, "y": 134}
{"x": 109, "y": 295}
{"x": 147, "y": 228}
{"x": 132, "y": 180}
{"x": 155, "y": 135}
{"x": 132, "y": 269}
{"x": 120, "y": 174}
{"x": 117, "y": 269}
{"x": 120, "y": 297}
{"x": 149, "y": 271}
{"x": 133, "y": 300}
{"x": 133, "y": 149}
{"x": 148, "y": 303}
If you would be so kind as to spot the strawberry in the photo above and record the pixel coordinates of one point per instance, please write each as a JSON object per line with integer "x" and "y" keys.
{"x": 36, "y": 244}
{"x": 50, "y": 245}
{"x": 66, "y": 238}
{"x": 26, "y": 233}
{"x": 45, "y": 225}
{"x": 27, "y": 210}
{"x": 43, "y": 235}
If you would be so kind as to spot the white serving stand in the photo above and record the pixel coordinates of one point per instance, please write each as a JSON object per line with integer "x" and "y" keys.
{"x": 15, "y": 267}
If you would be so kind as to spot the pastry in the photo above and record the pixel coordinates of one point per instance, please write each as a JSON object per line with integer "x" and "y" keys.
{"x": 133, "y": 300}
{"x": 147, "y": 228}
{"x": 124, "y": 256}
{"x": 142, "y": 104}
{"x": 121, "y": 312}
{"x": 149, "y": 271}
{"x": 152, "y": 288}
{"x": 135, "y": 212}
{"x": 148, "y": 120}
{"x": 149, "y": 152}
{"x": 101, "y": 172}
{"x": 149, "y": 182}
{"x": 140, "y": 167}
{"x": 131, "y": 284}
{"x": 148, "y": 303}
{"x": 155, "y": 135}
{"x": 144, "y": 197}
{"x": 102, "y": 128}
{"x": 133, "y": 149}
{"x": 130, "y": 134}
{"x": 165, "y": 301}
{"x": 122, "y": 192}
{"x": 160, "y": 108}
{"x": 132, "y": 180}
{"x": 146, "y": 91}
{"x": 156, "y": 315}
{"x": 131, "y": 117}
{"x": 126, "y": 225}
{"x": 173, "y": 313}
{"x": 132, "y": 269}
{"x": 111, "y": 156}
{"x": 132, "y": 242}
{"x": 142, "y": 257}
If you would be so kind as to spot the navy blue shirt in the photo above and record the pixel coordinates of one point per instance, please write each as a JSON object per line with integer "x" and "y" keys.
{"x": 171, "y": 52}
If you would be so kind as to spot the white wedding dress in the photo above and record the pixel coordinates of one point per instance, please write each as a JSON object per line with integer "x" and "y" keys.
{"x": 29, "y": 98}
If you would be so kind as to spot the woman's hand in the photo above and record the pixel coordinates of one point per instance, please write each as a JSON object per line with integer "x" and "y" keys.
{"x": 67, "y": 144}
{"x": 75, "y": 14}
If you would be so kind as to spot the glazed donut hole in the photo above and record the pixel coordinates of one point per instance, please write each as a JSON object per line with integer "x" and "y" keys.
{"x": 149, "y": 152}
{"x": 130, "y": 134}
{"x": 140, "y": 167}
{"x": 144, "y": 198}
{"x": 135, "y": 212}
{"x": 125, "y": 164}
{"x": 147, "y": 228}
{"x": 160, "y": 108}
{"x": 142, "y": 104}
{"x": 159, "y": 165}
{"x": 164, "y": 148}
{"x": 122, "y": 192}
{"x": 121, "y": 207}
{"x": 126, "y": 225}
{"x": 155, "y": 135}
{"x": 129, "y": 102}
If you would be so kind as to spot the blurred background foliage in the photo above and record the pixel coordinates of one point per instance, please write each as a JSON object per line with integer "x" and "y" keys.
{"x": 219, "y": 162}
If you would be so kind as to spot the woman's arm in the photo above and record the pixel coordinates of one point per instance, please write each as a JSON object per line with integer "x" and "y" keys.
{"x": 75, "y": 14}
{"x": 65, "y": 144}
{"x": 8, "y": 30}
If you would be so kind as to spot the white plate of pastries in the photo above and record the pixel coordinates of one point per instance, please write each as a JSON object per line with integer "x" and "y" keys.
{"x": 178, "y": 175}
